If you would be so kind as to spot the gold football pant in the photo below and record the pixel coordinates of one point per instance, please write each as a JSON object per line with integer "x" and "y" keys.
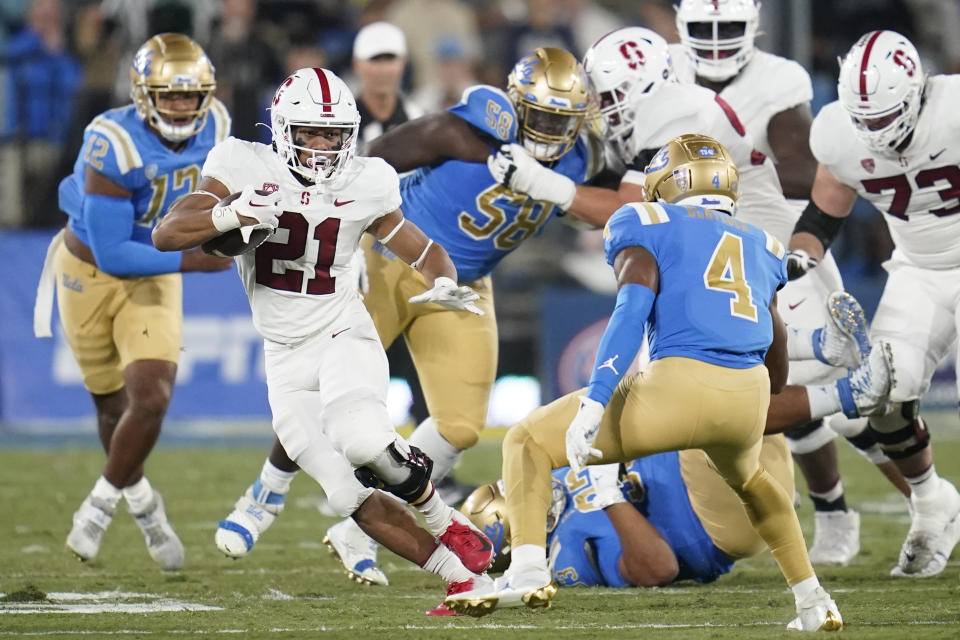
{"x": 454, "y": 352}
{"x": 110, "y": 322}
{"x": 676, "y": 404}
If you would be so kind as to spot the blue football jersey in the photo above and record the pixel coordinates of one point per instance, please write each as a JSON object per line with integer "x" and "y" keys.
{"x": 717, "y": 278}
{"x": 585, "y": 549}
{"x": 459, "y": 205}
{"x": 119, "y": 145}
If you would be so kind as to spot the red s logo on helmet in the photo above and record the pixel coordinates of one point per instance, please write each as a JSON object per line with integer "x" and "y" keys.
{"x": 276, "y": 96}
{"x": 905, "y": 61}
{"x": 632, "y": 53}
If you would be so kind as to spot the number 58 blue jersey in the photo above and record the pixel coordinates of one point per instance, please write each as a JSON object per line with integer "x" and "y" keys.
{"x": 459, "y": 204}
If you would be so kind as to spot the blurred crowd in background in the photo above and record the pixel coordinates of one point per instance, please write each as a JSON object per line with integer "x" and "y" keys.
{"x": 64, "y": 61}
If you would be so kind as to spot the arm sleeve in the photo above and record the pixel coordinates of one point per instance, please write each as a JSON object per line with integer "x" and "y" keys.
{"x": 109, "y": 223}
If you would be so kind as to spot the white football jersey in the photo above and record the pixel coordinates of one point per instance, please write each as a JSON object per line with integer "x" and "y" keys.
{"x": 299, "y": 281}
{"x": 918, "y": 191}
{"x": 676, "y": 109}
{"x": 768, "y": 85}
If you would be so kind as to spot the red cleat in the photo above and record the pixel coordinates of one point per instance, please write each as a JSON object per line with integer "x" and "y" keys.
{"x": 454, "y": 588}
{"x": 468, "y": 543}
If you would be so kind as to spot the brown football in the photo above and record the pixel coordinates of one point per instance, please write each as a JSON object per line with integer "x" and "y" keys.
{"x": 230, "y": 244}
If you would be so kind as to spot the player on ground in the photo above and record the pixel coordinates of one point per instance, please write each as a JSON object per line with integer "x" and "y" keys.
{"x": 119, "y": 298}
{"x": 452, "y": 197}
{"x": 706, "y": 387}
{"x": 771, "y": 95}
{"x": 656, "y": 520}
{"x": 326, "y": 369}
{"x": 887, "y": 139}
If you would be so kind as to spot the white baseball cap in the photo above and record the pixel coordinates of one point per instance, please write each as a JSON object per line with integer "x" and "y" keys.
{"x": 379, "y": 38}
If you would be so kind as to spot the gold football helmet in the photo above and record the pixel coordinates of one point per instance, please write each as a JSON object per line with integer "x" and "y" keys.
{"x": 167, "y": 63}
{"x": 551, "y": 96}
{"x": 487, "y": 509}
{"x": 696, "y": 170}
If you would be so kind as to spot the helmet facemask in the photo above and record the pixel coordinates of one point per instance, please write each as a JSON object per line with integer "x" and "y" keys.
{"x": 163, "y": 120}
{"x": 719, "y": 38}
{"x": 316, "y": 165}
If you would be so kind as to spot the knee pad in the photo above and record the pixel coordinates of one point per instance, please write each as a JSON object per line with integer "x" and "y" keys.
{"x": 902, "y": 432}
{"x": 402, "y": 470}
{"x": 809, "y": 437}
{"x": 359, "y": 426}
{"x": 345, "y": 502}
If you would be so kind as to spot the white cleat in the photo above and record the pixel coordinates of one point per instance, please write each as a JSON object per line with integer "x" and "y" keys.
{"x": 934, "y": 532}
{"x": 836, "y": 537}
{"x": 817, "y": 613}
{"x": 844, "y": 341}
{"x": 162, "y": 541}
{"x": 356, "y": 551}
{"x": 531, "y": 586}
{"x": 90, "y": 522}
{"x": 866, "y": 390}
{"x": 250, "y": 517}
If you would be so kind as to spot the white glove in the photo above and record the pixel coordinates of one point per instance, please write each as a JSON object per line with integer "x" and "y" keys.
{"x": 513, "y": 167}
{"x": 582, "y": 432}
{"x": 605, "y": 480}
{"x": 265, "y": 209}
{"x": 358, "y": 264}
{"x": 449, "y": 295}
{"x": 798, "y": 263}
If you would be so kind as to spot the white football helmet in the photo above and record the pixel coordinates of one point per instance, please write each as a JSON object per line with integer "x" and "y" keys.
{"x": 881, "y": 87}
{"x": 314, "y": 98}
{"x": 718, "y": 35}
{"x": 626, "y": 67}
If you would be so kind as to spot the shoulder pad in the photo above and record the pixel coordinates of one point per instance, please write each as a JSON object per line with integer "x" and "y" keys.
{"x": 629, "y": 226}
{"x": 109, "y": 148}
{"x": 489, "y": 110}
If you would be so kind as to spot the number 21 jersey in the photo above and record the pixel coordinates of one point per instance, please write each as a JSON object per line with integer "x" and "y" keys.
{"x": 299, "y": 281}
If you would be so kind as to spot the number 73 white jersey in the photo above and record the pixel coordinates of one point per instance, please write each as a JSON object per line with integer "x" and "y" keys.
{"x": 299, "y": 281}
{"x": 919, "y": 191}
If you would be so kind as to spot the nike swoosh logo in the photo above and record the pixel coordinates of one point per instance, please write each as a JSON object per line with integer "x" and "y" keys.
{"x": 337, "y": 203}
{"x": 484, "y": 544}
{"x": 339, "y": 332}
{"x": 934, "y": 156}
{"x": 795, "y": 305}
{"x": 254, "y": 204}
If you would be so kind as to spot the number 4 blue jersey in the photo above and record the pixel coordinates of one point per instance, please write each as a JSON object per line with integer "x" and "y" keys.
{"x": 459, "y": 204}
{"x": 718, "y": 276}
{"x": 118, "y": 145}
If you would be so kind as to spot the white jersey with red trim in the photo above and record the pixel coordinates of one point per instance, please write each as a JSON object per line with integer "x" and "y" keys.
{"x": 677, "y": 109}
{"x": 768, "y": 85}
{"x": 299, "y": 280}
{"x": 919, "y": 191}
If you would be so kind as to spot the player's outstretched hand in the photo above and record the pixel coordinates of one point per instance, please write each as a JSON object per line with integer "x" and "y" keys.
{"x": 449, "y": 295}
{"x": 582, "y": 432}
{"x": 516, "y": 169}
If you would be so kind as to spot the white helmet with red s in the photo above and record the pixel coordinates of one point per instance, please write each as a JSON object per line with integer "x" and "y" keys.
{"x": 316, "y": 99}
{"x": 881, "y": 88}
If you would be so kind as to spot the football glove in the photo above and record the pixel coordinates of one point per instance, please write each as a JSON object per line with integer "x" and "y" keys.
{"x": 264, "y": 208}
{"x": 516, "y": 169}
{"x": 449, "y": 295}
{"x": 605, "y": 479}
{"x": 582, "y": 432}
{"x": 798, "y": 263}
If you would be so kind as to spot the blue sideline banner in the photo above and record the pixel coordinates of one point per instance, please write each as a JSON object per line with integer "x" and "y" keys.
{"x": 221, "y": 367}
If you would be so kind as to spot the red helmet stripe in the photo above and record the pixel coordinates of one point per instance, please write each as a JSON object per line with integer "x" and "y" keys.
{"x": 324, "y": 89}
{"x": 863, "y": 65}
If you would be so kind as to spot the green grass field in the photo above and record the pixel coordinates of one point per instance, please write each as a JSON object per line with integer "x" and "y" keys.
{"x": 290, "y": 587}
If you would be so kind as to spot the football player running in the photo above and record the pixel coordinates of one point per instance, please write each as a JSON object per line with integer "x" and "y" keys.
{"x": 325, "y": 366}
{"x": 883, "y": 140}
{"x": 653, "y": 521}
{"x": 771, "y": 95}
{"x": 727, "y": 358}
{"x": 631, "y": 69}
{"x": 452, "y": 197}
{"x": 119, "y": 298}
